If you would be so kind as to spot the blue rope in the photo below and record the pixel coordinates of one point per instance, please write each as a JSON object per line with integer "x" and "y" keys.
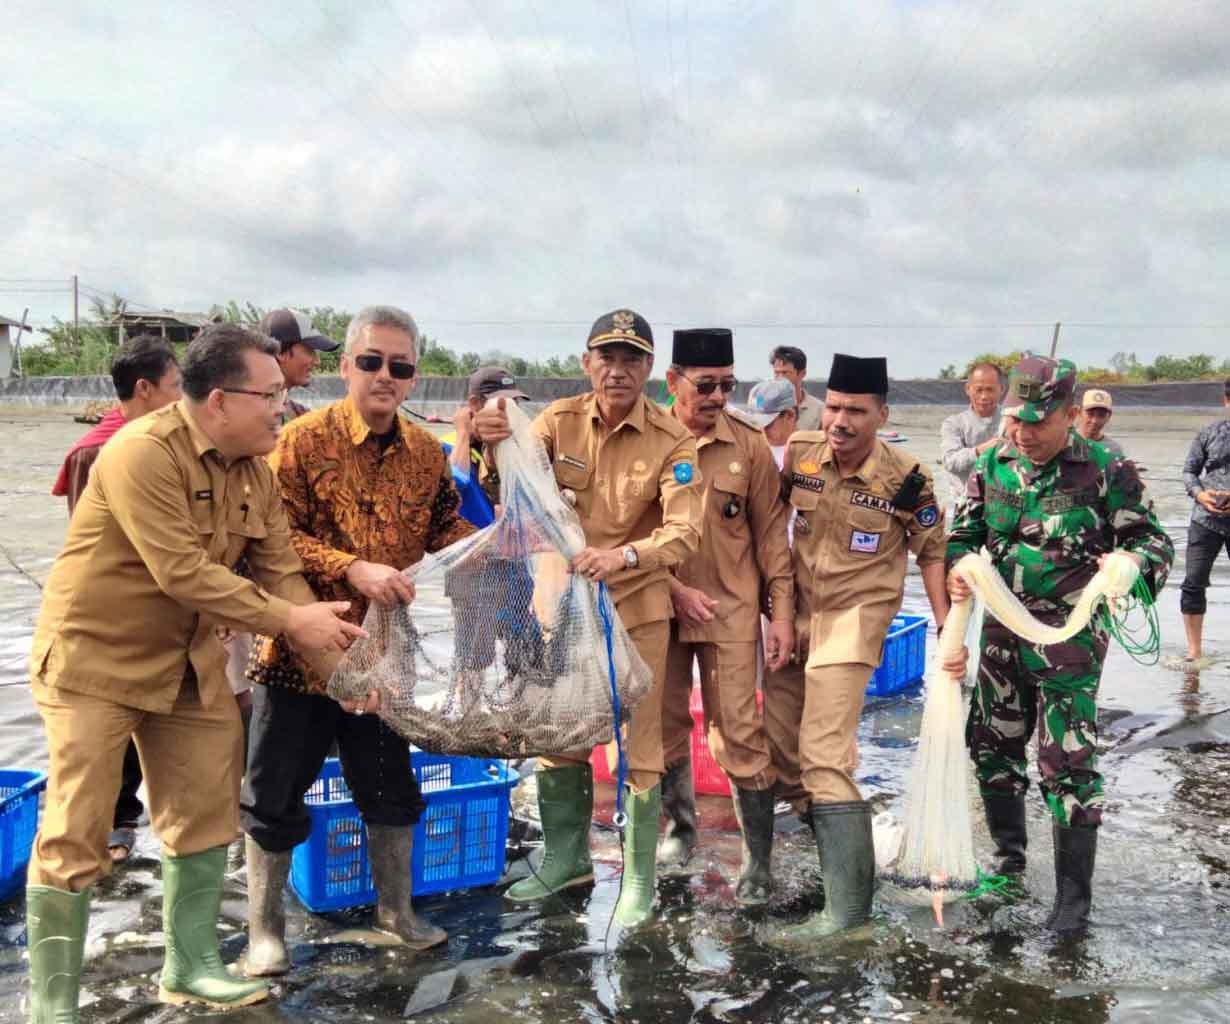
{"x": 621, "y": 774}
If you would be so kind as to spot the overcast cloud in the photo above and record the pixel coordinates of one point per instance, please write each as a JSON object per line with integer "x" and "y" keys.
{"x": 963, "y": 172}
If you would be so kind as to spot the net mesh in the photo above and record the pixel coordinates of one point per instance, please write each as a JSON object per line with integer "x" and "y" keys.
{"x": 503, "y": 652}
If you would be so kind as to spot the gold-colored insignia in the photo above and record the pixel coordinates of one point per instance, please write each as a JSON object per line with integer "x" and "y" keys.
{"x": 736, "y": 467}
{"x": 638, "y": 466}
{"x": 808, "y": 467}
{"x": 623, "y": 321}
{"x": 1027, "y": 388}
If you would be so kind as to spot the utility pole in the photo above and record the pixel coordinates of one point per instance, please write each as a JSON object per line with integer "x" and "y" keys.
{"x": 76, "y": 316}
{"x": 17, "y": 371}
{"x": 1055, "y": 339}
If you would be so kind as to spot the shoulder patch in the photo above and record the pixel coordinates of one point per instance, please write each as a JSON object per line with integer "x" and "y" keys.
{"x": 927, "y": 516}
{"x": 683, "y": 472}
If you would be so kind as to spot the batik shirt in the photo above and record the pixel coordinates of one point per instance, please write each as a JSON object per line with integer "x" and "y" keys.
{"x": 1045, "y": 526}
{"x": 348, "y": 498}
{"x": 1207, "y": 468}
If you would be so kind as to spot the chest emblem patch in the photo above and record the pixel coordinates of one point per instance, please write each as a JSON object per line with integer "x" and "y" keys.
{"x": 807, "y": 466}
{"x": 864, "y": 543}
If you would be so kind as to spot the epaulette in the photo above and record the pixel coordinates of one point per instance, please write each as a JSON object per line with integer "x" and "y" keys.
{"x": 744, "y": 420}
{"x": 808, "y": 437}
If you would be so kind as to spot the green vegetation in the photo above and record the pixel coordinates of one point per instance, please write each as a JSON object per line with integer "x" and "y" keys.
{"x": 65, "y": 353}
{"x": 1124, "y": 368}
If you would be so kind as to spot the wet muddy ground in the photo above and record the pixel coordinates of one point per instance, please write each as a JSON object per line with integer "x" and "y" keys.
{"x": 1162, "y": 890}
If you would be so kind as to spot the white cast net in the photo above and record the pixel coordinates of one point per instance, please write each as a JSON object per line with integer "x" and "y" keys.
{"x": 934, "y": 861}
{"x": 504, "y": 651}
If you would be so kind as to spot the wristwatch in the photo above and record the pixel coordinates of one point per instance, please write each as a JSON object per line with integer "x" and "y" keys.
{"x": 631, "y": 558}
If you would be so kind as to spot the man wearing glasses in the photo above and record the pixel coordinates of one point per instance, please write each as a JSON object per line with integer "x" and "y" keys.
{"x": 367, "y": 494}
{"x": 126, "y": 646}
{"x": 716, "y": 595}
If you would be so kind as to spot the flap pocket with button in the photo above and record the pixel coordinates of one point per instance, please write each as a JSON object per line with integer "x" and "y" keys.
{"x": 731, "y": 483}
{"x": 574, "y": 477}
{"x": 803, "y": 499}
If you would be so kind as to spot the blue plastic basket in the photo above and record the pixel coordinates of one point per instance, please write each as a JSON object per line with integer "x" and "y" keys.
{"x": 459, "y": 841}
{"x": 905, "y": 656}
{"x": 19, "y": 790}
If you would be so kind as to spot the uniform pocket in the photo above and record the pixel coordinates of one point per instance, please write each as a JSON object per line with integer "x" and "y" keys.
{"x": 575, "y": 478}
{"x": 729, "y": 498}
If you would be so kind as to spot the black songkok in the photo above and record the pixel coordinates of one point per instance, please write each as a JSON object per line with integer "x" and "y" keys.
{"x": 703, "y": 346}
{"x": 855, "y": 375}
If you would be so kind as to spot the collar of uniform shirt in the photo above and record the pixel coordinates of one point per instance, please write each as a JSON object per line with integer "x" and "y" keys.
{"x": 200, "y": 440}
{"x": 634, "y": 419}
{"x": 356, "y": 425}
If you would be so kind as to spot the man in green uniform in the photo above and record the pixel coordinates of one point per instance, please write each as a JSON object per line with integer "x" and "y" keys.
{"x": 1049, "y": 506}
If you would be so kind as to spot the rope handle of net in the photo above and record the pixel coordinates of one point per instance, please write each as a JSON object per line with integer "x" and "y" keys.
{"x": 606, "y": 611}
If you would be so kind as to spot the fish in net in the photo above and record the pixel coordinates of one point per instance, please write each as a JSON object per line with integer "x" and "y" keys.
{"x": 933, "y": 861}
{"x": 504, "y": 652}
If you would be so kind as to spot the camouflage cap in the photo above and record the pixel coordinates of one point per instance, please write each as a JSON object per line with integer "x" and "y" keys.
{"x": 1037, "y": 386}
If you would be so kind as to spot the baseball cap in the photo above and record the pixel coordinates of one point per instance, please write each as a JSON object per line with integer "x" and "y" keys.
{"x": 1096, "y": 398}
{"x": 490, "y": 381}
{"x": 769, "y": 399}
{"x": 1037, "y": 386}
{"x": 621, "y": 327}
{"x": 289, "y": 327}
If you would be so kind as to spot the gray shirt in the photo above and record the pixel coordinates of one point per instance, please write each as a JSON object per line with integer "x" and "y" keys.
{"x": 809, "y": 411}
{"x": 960, "y": 434}
{"x": 1207, "y": 468}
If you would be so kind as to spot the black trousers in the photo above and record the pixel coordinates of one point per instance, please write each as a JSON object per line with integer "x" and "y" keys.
{"x": 128, "y": 808}
{"x": 290, "y": 736}
{"x": 1203, "y": 547}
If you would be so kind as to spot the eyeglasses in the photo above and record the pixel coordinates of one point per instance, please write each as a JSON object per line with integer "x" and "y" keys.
{"x": 707, "y": 387}
{"x": 275, "y": 399}
{"x": 371, "y": 362}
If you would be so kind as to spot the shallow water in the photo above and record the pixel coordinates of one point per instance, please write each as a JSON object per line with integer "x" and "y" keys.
{"x": 1161, "y": 898}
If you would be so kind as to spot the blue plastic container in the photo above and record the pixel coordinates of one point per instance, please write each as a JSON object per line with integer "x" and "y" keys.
{"x": 459, "y": 842}
{"x": 905, "y": 657}
{"x": 19, "y": 790}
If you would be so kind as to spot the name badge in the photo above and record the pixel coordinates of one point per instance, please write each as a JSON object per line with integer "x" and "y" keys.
{"x": 873, "y": 501}
{"x": 864, "y": 543}
{"x": 568, "y": 460}
{"x": 204, "y": 495}
{"x": 808, "y": 483}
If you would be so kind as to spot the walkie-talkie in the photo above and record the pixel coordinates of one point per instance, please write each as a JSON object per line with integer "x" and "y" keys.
{"x": 911, "y": 490}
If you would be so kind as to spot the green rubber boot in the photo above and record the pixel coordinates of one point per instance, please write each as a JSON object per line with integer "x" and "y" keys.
{"x": 55, "y": 934}
{"x": 639, "y": 884}
{"x": 192, "y": 970}
{"x": 847, "y": 857}
{"x": 566, "y": 807}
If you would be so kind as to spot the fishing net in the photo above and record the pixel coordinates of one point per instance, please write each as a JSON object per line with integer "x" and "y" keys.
{"x": 934, "y": 859}
{"x": 504, "y": 652}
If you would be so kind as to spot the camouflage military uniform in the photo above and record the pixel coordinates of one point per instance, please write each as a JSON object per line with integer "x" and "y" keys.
{"x": 1045, "y": 527}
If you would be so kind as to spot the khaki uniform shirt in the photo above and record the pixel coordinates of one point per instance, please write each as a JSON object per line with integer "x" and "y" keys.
{"x": 145, "y": 573}
{"x": 638, "y": 484}
{"x": 850, "y": 542}
{"x": 809, "y": 412}
{"x": 743, "y": 556}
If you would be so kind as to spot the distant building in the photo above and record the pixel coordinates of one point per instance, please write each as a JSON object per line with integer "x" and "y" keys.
{"x": 10, "y": 334}
{"x": 176, "y": 328}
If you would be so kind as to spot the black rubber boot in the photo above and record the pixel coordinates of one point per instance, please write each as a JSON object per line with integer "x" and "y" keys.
{"x": 754, "y": 809}
{"x": 1076, "y": 849}
{"x": 1006, "y": 822}
{"x": 679, "y": 805}
{"x": 847, "y": 857}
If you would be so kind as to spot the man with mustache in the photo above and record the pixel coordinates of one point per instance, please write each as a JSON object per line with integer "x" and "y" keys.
{"x": 717, "y": 596}
{"x": 629, "y": 469}
{"x": 860, "y": 504}
{"x": 1049, "y": 506}
{"x": 367, "y": 494}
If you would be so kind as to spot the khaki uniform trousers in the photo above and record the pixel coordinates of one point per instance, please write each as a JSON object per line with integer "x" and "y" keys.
{"x": 191, "y": 758}
{"x": 642, "y": 735}
{"x": 811, "y": 718}
{"x": 733, "y": 723}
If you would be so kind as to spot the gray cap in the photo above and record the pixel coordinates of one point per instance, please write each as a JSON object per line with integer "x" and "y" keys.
{"x": 769, "y": 399}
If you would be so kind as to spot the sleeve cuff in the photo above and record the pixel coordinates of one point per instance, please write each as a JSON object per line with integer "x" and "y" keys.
{"x": 275, "y": 617}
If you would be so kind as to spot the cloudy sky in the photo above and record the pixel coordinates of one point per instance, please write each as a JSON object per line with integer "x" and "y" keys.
{"x": 924, "y": 180}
